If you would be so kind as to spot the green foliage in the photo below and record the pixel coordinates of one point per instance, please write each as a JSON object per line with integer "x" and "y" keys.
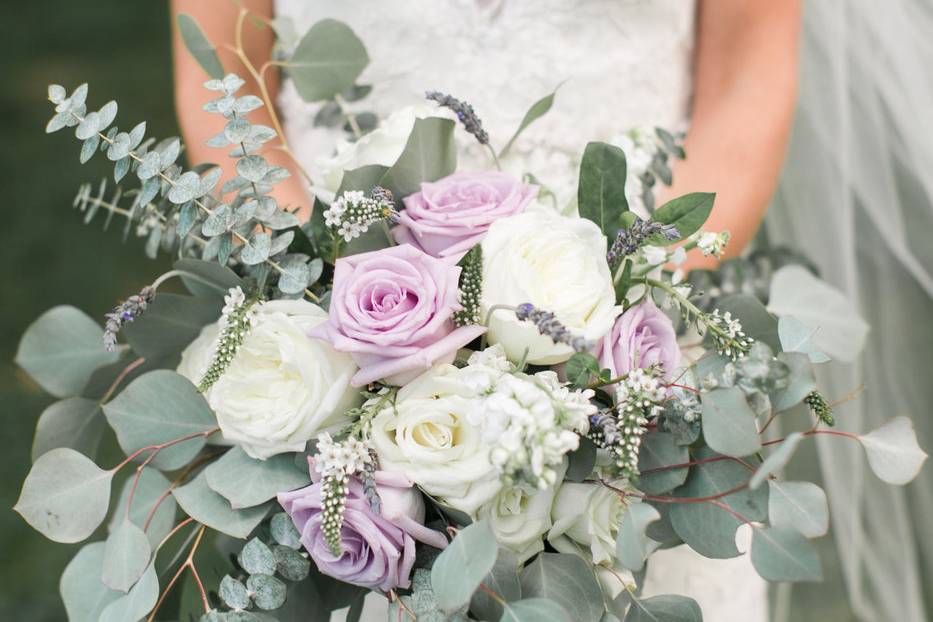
{"x": 660, "y": 450}
{"x": 74, "y": 422}
{"x": 151, "y": 487}
{"x": 800, "y": 381}
{"x": 729, "y": 423}
{"x": 776, "y": 460}
{"x": 247, "y": 482}
{"x": 601, "y": 189}
{"x": 581, "y": 461}
{"x": 582, "y": 368}
{"x": 328, "y": 60}
{"x": 504, "y": 581}
{"x": 138, "y": 602}
{"x": 65, "y": 496}
{"x": 233, "y": 593}
{"x": 458, "y": 571}
{"x": 429, "y": 154}
{"x": 126, "y": 556}
{"x": 567, "y": 580}
{"x": 687, "y": 213}
{"x": 665, "y": 608}
{"x": 708, "y": 528}
{"x": 795, "y": 336}
{"x": 283, "y": 531}
{"x": 209, "y": 508}
{"x": 82, "y": 591}
{"x": 782, "y": 554}
{"x": 893, "y": 453}
{"x": 756, "y": 321}
{"x": 537, "y": 110}
{"x": 535, "y": 610}
{"x": 632, "y": 543}
{"x": 159, "y": 407}
{"x": 169, "y": 324}
{"x": 798, "y": 505}
{"x": 61, "y": 349}
{"x": 257, "y": 558}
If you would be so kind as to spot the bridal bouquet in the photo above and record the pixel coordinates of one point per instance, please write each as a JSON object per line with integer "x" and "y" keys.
{"x": 440, "y": 389}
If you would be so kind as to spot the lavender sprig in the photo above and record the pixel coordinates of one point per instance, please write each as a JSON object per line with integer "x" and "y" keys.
{"x": 124, "y": 313}
{"x": 548, "y": 324}
{"x": 465, "y": 113}
{"x": 629, "y": 240}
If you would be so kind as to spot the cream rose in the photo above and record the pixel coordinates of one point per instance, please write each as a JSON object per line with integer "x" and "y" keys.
{"x": 382, "y": 146}
{"x": 519, "y": 518}
{"x": 557, "y": 263}
{"x": 586, "y": 515}
{"x": 282, "y": 387}
{"x": 427, "y": 436}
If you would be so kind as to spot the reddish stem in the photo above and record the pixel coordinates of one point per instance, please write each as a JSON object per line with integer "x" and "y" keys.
{"x": 120, "y": 377}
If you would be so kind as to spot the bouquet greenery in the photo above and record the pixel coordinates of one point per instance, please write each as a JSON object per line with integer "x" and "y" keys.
{"x": 440, "y": 388}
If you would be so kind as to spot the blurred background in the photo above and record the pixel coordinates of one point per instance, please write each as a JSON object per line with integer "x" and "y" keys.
{"x": 121, "y": 49}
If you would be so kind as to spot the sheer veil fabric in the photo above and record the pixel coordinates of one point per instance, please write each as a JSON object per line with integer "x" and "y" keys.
{"x": 856, "y": 197}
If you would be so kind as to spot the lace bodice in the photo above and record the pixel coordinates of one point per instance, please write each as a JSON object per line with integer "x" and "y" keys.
{"x": 621, "y": 64}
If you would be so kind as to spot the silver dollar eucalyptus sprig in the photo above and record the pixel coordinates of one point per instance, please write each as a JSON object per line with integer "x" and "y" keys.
{"x": 176, "y": 209}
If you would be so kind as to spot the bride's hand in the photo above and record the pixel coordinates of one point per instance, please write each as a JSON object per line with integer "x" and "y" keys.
{"x": 217, "y": 19}
{"x": 743, "y": 105}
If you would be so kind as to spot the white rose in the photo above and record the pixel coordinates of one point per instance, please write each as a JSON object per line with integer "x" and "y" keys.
{"x": 382, "y": 146}
{"x": 556, "y": 263}
{"x": 427, "y": 436}
{"x": 282, "y": 387}
{"x": 586, "y": 515}
{"x": 520, "y": 519}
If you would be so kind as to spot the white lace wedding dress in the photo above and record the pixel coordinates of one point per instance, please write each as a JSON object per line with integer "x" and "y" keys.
{"x": 624, "y": 64}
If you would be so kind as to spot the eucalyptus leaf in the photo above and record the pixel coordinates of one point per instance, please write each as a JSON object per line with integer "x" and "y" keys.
{"x": 61, "y": 349}
{"x": 708, "y": 528}
{"x": 207, "y": 507}
{"x": 632, "y": 544}
{"x": 893, "y": 453}
{"x": 256, "y": 250}
{"x": 294, "y": 277}
{"x": 267, "y": 591}
{"x": 458, "y": 570}
{"x": 290, "y": 564}
{"x": 783, "y": 554}
{"x": 252, "y": 168}
{"x": 150, "y": 491}
{"x": 284, "y": 532}
{"x": 601, "y": 189}
{"x": 74, "y": 422}
{"x": 219, "y": 221}
{"x": 257, "y": 558}
{"x": 233, "y": 593}
{"x": 798, "y": 505}
{"x": 569, "y": 581}
{"x": 776, "y": 460}
{"x": 138, "y": 602}
{"x": 126, "y": 556}
{"x": 65, "y": 496}
{"x": 199, "y": 47}
{"x": 88, "y": 148}
{"x": 537, "y": 110}
{"x": 665, "y": 608}
{"x": 207, "y": 278}
{"x": 504, "y": 581}
{"x": 756, "y": 321}
{"x": 534, "y": 610}
{"x": 328, "y": 60}
{"x": 800, "y": 382}
{"x": 729, "y": 423}
{"x": 247, "y": 482}
{"x": 660, "y": 450}
{"x": 187, "y": 217}
{"x": 582, "y": 460}
{"x": 89, "y": 126}
{"x": 429, "y": 154}
{"x": 159, "y": 407}
{"x": 170, "y": 323}
{"x": 796, "y": 336}
{"x": 84, "y": 595}
{"x": 687, "y": 213}
{"x": 185, "y": 188}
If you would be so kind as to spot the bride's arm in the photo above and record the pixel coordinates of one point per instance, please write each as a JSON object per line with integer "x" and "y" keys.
{"x": 744, "y": 94}
{"x": 217, "y": 19}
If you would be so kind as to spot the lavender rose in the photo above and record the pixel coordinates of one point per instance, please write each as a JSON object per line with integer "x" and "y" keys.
{"x": 641, "y": 337}
{"x": 449, "y": 216}
{"x": 378, "y": 549}
{"x": 392, "y": 310}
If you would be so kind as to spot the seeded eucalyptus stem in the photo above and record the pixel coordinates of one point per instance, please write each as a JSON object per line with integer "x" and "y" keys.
{"x": 135, "y": 157}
